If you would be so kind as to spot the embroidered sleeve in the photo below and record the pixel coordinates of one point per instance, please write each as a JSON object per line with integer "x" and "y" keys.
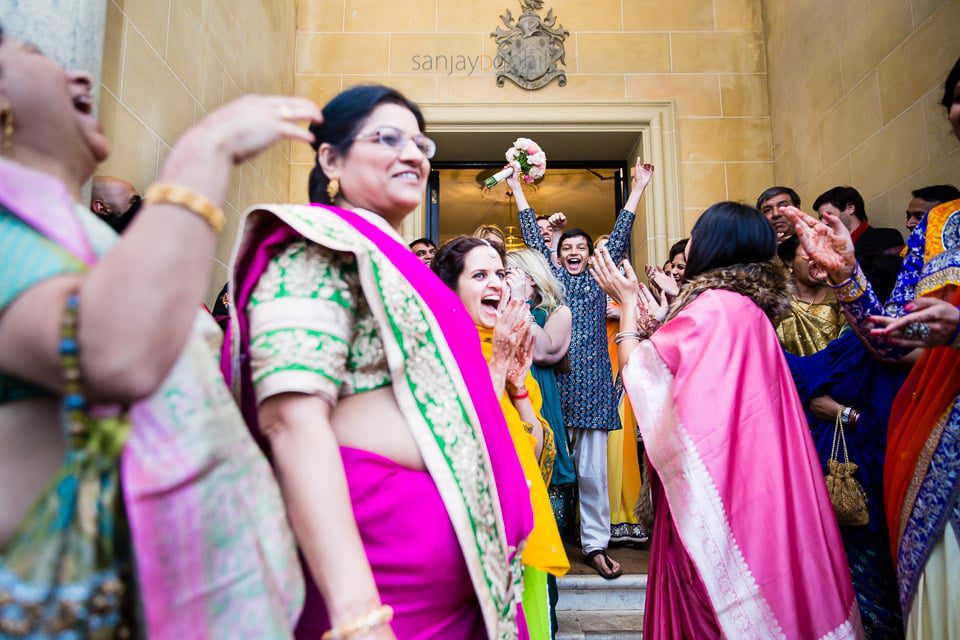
{"x": 531, "y": 232}
{"x": 302, "y": 315}
{"x": 905, "y": 290}
{"x": 859, "y": 302}
{"x": 619, "y": 240}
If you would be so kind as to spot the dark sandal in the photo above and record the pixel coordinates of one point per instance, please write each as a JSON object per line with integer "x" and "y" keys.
{"x": 611, "y": 575}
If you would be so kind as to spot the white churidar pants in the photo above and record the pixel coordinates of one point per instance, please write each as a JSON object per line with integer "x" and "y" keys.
{"x": 590, "y": 455}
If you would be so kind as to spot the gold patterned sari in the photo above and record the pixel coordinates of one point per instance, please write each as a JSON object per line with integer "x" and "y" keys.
{"x": 809, "y": 327}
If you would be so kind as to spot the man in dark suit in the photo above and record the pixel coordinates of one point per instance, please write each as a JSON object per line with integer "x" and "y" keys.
{"x": 877, "y": 249}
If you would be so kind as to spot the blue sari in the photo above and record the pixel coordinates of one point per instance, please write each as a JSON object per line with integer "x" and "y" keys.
{"x": 846, "y": 371}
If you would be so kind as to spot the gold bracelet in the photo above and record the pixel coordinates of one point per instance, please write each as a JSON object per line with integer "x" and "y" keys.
{"x": 378, "y": 617}
{"x": 165, "y": 193}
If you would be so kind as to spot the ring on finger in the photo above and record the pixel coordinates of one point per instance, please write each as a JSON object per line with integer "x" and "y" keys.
{"x": 917, "y": 331}
{"x": 285, "y": 112}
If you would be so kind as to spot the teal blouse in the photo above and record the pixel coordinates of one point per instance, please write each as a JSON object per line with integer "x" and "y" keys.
{"x": 28, "y": 259}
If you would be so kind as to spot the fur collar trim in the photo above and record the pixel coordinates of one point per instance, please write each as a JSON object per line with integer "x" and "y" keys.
{"x": 767, "y": 284}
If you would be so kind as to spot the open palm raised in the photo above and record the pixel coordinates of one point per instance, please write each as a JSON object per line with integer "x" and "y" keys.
{"x": 827, "y": 242}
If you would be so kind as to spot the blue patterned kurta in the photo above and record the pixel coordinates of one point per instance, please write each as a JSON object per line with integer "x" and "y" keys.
{"x": 586, "y": 391}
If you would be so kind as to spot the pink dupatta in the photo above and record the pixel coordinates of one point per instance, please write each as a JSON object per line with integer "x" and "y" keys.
{"x": 490, "y": 540}
{"x": 726, "y": 434}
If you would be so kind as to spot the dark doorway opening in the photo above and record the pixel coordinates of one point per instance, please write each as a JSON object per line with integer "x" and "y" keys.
{"x": 589, "y": 193}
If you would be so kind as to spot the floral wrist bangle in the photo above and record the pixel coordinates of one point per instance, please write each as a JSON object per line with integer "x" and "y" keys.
{"x": 853, "y": 287}
{"x": 165, "y": 193}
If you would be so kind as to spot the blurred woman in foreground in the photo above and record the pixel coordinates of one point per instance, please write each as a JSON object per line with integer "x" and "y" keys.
{"x": 105, "y": 329}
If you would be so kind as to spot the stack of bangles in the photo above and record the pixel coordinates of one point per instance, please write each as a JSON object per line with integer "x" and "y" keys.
{"x": 367, "y": 622}
{"x": 628, "y": 335}
{"x": 849, "y": 417}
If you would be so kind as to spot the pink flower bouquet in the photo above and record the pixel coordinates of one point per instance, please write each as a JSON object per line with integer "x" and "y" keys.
{"x": 525, "y": 158}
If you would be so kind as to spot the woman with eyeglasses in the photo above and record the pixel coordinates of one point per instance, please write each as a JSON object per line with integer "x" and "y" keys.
{"x": 362, "y": 375}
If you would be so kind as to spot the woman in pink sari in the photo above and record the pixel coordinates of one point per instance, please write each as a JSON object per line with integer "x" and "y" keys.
{"x": 363, "y": 377}
{"x": 745, "y": 543}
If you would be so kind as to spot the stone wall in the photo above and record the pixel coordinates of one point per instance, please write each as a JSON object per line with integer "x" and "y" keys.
{"x": 854, "y": 97}
{"x": 707, "y": 55}
{"x": 167, "y": 63}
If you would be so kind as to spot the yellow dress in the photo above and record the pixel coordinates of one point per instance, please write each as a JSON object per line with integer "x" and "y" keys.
{"x": 544, "y": 548}
{"x": 544, "y": 552}
{"x": 623, "y": 465}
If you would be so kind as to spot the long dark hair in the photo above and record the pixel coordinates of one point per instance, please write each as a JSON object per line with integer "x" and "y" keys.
{"x": 729, "y": 233}
{"x": 450, "y": 258}
{"x": 342, "y": 119}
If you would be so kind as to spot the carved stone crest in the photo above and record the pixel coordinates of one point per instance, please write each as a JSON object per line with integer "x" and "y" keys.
{"x": 530, "y": 48}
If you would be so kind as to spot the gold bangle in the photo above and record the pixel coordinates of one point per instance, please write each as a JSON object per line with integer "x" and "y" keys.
{"x": 165, "y": 193}
{"x": 371, "y": 620}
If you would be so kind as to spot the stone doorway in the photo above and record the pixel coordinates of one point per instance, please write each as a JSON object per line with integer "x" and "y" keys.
{"x": 572, "y": 133}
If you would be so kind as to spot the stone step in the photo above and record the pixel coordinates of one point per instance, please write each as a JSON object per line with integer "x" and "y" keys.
{"x": 584, "y": 593}
{"x": 600, "y": 625}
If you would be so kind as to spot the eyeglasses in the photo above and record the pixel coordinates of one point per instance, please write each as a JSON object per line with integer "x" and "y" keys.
{"x": 397, "y": 139}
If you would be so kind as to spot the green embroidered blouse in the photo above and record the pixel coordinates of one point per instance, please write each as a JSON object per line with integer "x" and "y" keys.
{"x": 311, "y": 329}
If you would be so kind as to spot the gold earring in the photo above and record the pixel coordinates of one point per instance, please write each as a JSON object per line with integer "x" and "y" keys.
{"x": 6, "y": 121}
{"x": 333, "y": 188}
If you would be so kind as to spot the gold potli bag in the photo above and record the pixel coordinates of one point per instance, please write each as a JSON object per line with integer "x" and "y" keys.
{"x": 846, "y": 493}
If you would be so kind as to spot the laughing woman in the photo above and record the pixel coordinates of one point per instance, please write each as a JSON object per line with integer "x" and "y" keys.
{"x": 88, "y": 319}
{"x": 363, "y": 377}
{"x": 476, "y": 271}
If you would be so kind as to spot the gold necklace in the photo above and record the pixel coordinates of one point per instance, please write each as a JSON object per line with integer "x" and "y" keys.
{"x": 817, "y": 299}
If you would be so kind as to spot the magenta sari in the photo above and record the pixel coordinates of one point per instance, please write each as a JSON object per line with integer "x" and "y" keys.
{"x": 745, "y": 543}
{"x": 474, "y": 498}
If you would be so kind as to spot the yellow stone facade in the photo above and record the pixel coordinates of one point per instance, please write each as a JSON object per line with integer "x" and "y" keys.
{"x": 855, "y": 88}
{"x": 705, "y": 55}
{"x": 807, "y": 93}
{"x": 167, "y": 63}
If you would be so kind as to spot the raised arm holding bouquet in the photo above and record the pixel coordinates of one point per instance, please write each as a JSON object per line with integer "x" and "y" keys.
{"x": 525, "y": 159}
{"x": 587, "y": 395}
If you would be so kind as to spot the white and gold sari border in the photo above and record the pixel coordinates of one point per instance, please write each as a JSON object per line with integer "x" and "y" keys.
{"x": 695, "y": 504}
